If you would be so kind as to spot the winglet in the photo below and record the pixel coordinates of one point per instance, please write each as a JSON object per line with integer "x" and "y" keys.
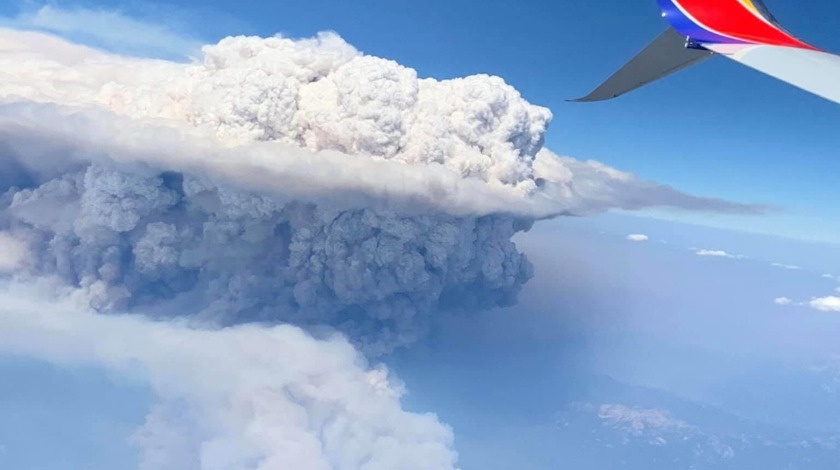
{"x": 664, "y": 56}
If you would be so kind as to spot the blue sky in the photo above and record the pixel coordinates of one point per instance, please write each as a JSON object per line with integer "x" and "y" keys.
{"x": 718, "y": 129}
{"x": 84, "y": 416}
{"x": 650, "y": 326}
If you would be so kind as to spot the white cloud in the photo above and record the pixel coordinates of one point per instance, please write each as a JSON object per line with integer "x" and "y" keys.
{"x": 783, "y": 301}
{"x": 638, "y": 237}
{"x": 786, "y": 266}
{"x": 826, "y": 304}
{"x": 828, "y": 276}
{"x": 717, "y": 254}
{"x": 243, "y": 397}
{"x": 110, "y": 29}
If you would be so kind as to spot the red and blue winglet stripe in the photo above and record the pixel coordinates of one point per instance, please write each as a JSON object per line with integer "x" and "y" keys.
{"x": 727, "y": 22}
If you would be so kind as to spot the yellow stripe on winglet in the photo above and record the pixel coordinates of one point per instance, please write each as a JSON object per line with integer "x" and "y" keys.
{"x": 749, "y": 4}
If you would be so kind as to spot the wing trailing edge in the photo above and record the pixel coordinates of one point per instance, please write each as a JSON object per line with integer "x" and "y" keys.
{"x": 664, "y": 56}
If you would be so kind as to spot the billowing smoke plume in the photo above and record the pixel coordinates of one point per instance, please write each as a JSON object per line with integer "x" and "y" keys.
{"x": 282, "y": 181}
{"x": 241, "y": 398}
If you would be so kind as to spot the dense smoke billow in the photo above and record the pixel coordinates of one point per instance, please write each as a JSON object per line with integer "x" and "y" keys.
{"x": 176, "y": 245}
{"x": 281, "y": 181}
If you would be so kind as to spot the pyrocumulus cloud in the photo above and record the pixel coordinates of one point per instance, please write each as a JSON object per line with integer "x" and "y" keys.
{"x": 298, "y": 185}
{"x": 283, "y": 180}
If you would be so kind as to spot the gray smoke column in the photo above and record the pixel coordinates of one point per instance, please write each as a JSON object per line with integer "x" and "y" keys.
{"x": 280, "y": 180}
{"x": 245, "y": 397}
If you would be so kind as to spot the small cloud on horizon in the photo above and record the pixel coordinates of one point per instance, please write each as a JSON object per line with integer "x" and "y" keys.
{"x": 717, "y": 254}
{"x": 791, "y": 267}
{"x": 826, "y": 304}
{"x": 638, "y": 237}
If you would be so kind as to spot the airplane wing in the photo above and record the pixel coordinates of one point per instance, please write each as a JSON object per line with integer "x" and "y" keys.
{"x": 741, "y": 30}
